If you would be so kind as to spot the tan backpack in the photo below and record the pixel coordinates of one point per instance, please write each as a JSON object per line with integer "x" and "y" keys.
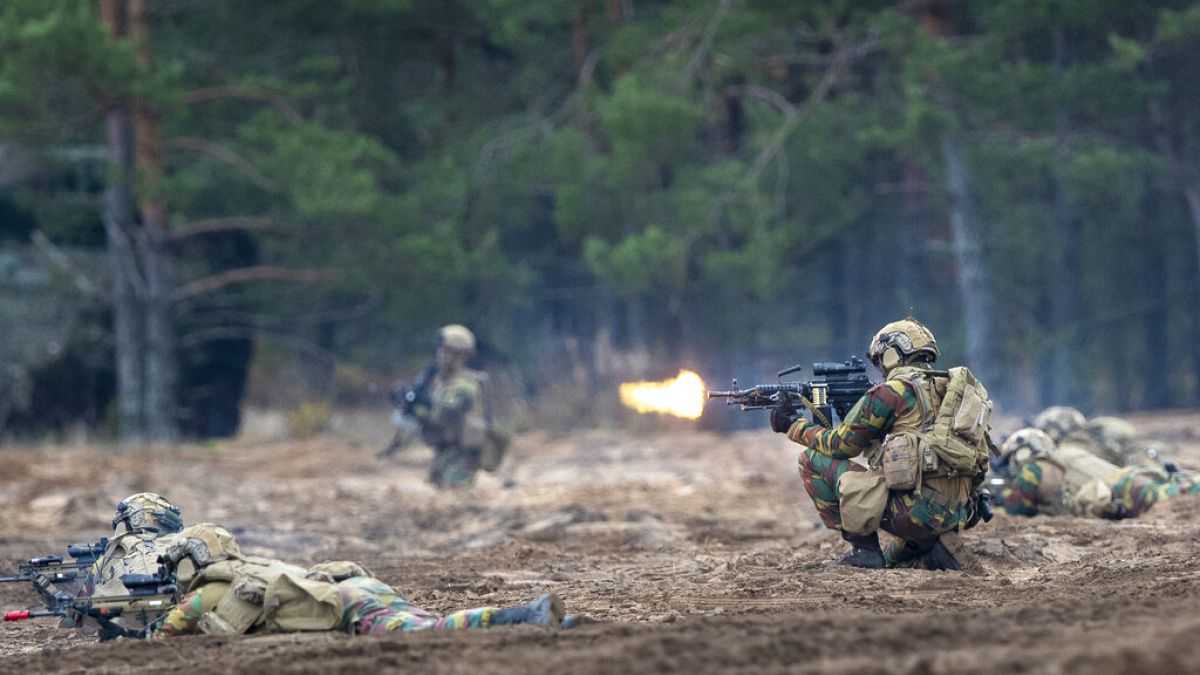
{"x": 953, "y": 440}
{"x": 269, "y": 596}
{"x": 959, "y": 435}
{"x": 492, "y": 441}
{"x": 1087, "y": 479}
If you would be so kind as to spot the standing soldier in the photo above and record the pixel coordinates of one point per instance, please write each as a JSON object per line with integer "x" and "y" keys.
{"x": 453, "y": 422}
{"x": 924, "y": 433}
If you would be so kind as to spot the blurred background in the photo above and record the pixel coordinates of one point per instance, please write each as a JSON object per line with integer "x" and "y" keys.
{"x": 209, "y": 206}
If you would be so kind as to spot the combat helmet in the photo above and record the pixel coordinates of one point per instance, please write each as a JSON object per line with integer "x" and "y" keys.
{"x": 146, "y": 512}
{"x": 902, "y": 342}
{"x": 457, "y": 337}
{"x": 196, "y": 547}
{"x": 1026, "y": 445}
{"x": 1114, "y": 436}
{"x": 1059, "y": 421}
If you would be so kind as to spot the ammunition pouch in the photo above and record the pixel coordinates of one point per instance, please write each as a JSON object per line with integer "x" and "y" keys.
{"x": 902, "y": 461}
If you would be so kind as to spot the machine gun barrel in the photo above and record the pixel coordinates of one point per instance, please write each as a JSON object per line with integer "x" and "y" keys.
{"x": 837, "y": 388}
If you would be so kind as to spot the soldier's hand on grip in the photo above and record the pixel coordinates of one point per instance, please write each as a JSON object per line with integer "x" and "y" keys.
{"x": 782, "y": 419}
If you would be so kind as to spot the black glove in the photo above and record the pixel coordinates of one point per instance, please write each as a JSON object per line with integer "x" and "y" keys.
{"x": 782, "y": 419}
{"x": 982, "y": 509}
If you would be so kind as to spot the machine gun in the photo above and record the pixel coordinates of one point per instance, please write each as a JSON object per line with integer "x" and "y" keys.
{"x": 150, "y": 596}
{"x": 407, "y": 399}
{"x": 840, "y": 386}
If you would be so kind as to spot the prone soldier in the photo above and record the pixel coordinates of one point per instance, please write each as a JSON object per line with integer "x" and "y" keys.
{"x": 229, "y": 593}
{"x": 1067, "y": 479}
{"x": 143, "y": 526}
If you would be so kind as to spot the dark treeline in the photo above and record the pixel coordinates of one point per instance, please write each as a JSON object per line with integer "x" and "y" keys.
{"x": 606, "y": 189}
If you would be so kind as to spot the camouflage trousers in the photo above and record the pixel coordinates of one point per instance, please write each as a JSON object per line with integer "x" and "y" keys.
{"x": 372, "y": 607}
{"x": 453, "y": 466}
{"x": 915, "y": 519}
{"x": 1141, "y": 487}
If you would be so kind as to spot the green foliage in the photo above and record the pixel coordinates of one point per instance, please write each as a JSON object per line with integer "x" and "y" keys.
{"x": 321, "y": 171}
{"x": 663, "y": 171}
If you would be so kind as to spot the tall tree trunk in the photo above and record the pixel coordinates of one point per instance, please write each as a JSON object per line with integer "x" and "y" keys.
{"x": 1157, "y": 345}
{"x": 1067, "y": 231}
{"x": 1189, "y": 189}
{"x": 968, "y": 255}
{"x": 161, "y": 367}
{"x": 973, "y": 290}
{"x": 581, "y": 39}
{"x": 911, "y": 275}
{"x": 122, "y": 254}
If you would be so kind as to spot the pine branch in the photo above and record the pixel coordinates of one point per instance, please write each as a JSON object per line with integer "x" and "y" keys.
{"x": 242, "y": 275}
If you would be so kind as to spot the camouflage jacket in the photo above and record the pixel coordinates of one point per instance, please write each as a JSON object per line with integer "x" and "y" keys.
{"x": 1036, "y": 488}
{"x": 129, "y": 553}
{"x": 868, "y": 423}
{"x": 455, "y": 416}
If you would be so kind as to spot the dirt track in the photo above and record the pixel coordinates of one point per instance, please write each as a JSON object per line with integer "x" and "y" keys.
{"x": 696, "y": 552}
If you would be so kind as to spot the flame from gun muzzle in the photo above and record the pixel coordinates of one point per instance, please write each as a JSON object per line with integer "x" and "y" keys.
{"x": 682, "y": 396}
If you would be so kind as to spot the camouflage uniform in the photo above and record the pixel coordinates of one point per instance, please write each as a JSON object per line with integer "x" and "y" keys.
{"x": 372, "y": 607}
{"x": 914, "y": 517}
{"x": 231, "y": 594}
{"x": 1041, "y": 487}
{"x": 453, "y": 420}
{"x": 1037, "y": 488}
{"x": 1141, "y": 487}
{"x": 450, "y": 427}
{"x": 144, "y": 526}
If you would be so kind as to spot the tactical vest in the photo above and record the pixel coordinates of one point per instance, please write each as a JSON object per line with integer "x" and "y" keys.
{"x": 129, "y": 553}
{"x": 942, "y": 442}
{"x": 1087, "y": 480}
{"x": 471, "y": 430}
{"x": 268, "y": 596}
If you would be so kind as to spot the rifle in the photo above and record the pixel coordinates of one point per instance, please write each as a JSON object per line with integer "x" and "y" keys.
{"x": 840, "y": 386}
{"x": 150, "y": 596}
{"x": 416, "y": 394}
{"x": 407, "y": 399}
{"x": 49, "y": 572}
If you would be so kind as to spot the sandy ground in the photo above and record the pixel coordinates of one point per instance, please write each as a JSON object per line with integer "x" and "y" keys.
{"x": 693, "y": 552}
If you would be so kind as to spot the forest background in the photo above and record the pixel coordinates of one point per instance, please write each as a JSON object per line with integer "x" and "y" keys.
{"x": 209, "y": 203}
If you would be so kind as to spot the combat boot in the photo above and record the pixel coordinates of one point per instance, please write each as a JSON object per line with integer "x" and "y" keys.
{"x": 547, "y": 610}
{"x": 865, "y": 552}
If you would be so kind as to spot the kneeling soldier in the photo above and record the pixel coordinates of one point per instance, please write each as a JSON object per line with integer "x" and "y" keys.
{"x": 924, "y": 433}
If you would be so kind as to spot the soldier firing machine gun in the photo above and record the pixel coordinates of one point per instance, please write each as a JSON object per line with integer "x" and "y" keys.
{"x": 57, "y": 580}
{"x": 840, "y": 387}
